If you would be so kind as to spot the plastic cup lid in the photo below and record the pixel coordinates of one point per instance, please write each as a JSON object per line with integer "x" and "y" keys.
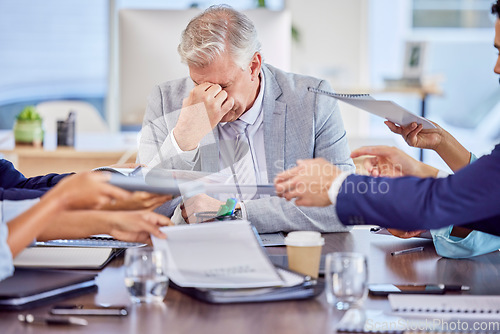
{"x": 304, "y": 239}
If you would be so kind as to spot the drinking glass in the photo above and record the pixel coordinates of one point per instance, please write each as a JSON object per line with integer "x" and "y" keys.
{"x": 146, "y": 274}
{"x": 346, "y": 277}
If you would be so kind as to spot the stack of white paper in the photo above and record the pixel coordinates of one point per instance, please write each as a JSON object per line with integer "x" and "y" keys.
{"x": 217, "y": 255}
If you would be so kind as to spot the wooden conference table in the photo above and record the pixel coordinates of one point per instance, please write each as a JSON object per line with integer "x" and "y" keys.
{"x": 182, "y": 314}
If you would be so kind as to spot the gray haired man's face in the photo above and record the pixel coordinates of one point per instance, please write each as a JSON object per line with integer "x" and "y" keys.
{"x": 240, "y": 84}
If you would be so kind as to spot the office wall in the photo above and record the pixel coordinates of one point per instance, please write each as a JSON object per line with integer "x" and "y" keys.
{"x": 333, "y": 44}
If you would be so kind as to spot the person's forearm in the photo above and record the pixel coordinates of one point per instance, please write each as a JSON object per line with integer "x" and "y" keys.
{"x": 425, "y": 170}
{"x": 76, "y": 224}
{"x": 452, "y": 152}
{"x": 28, "y": 225}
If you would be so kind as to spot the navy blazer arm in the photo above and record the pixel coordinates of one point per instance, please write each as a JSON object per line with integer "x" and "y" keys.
{"x": 469, "y": 197}
{"x": 15, "y": 186}
{"x": 17, "y": 194}
{"x": 490, "y": 225}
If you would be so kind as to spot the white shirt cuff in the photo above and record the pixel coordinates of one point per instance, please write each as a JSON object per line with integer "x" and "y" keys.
{"x": 333, "y": 192}
{"x": 177, "y": 218}
{"x": 187, "y": 155}
{"x": 442, "y": 174}
{"x": 244, "y": 214}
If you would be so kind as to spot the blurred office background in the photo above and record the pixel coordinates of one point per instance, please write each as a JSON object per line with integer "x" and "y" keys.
{"x": 72, "y": 50}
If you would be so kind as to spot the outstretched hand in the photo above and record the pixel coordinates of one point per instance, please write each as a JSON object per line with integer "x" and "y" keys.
{"x": 308, "y": 183}
{"x": 392, "y": 162}
{"x": 138, "y": 200}
{"x": 86, "y": 191}
{"x": 137, "y": 226}
{"x": 416, "y": 136}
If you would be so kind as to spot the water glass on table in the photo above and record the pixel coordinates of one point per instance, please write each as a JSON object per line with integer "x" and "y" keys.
{"x": 346, "y": 276}
{"x": 146, "y": 274}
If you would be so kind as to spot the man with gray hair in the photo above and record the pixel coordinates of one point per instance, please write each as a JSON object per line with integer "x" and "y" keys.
{"x": 238, "y": 116}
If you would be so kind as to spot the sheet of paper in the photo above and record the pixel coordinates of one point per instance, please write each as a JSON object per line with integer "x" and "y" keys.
{"x": 156, "y": 184}
{"x": 217, "y": 255}
{"x": 272, "y": 239}
{"x": 385, "y": 109}
{"x": 63, "y": 257}
{"x": 211, "y": 183}
{"x": 388, "y": 110}
{"x": 262, "y": 189}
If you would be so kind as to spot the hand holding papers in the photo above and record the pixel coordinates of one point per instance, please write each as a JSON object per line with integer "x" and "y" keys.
{"x": 386, "y": 109}
{"x": 187, "y": 183}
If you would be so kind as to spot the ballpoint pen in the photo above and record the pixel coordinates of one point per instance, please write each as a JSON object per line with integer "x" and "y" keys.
{"x": 407, "y": 251}
{"x": 135, "y": 171}
{"x": 51, "y": 320}
{"x": 452, "y": 287}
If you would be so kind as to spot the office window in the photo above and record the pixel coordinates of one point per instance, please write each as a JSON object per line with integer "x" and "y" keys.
{"x": 183, "y": 4}
{"x": 452, "y": 14}
{"x": 53, "y": 49}
{"x": 58, "y": 49}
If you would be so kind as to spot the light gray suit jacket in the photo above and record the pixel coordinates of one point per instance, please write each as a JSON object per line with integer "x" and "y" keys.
{"x": 298, "y": 124}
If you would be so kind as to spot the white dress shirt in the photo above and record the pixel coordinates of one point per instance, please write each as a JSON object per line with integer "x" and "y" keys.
{"x": 334, "y": 189}
{"x": 254, "y": 117}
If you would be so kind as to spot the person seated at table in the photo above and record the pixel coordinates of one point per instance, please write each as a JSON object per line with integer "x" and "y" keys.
{"x": 248, "y": 120}
{"x": 79, "y": 192}
{"x": 449, "y": 241}
{"x": 121, "y": 219}
{"x": 467, "y": 198}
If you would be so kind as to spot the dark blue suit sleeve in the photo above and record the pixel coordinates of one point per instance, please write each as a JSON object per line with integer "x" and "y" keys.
{"x": 470, "y": 197}
{"x": 15, "y": 186}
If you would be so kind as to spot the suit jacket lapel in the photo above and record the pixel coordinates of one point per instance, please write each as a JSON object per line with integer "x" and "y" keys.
{"x": 274, "y": 126}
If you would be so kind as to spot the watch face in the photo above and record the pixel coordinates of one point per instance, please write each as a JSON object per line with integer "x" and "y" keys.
{"x": 238, "y": 214}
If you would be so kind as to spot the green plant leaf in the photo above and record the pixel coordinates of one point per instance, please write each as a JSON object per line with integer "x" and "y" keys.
{"x": 29, "y": 114}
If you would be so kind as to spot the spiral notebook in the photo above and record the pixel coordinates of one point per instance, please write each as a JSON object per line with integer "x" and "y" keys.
{"x": 426, "y": 315}
{"x": 465, "y": 306}
{"x": 385, "y": 109}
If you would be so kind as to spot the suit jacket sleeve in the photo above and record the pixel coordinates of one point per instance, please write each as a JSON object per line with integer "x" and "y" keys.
{"x": 15, "y": 186}
{"x": 156, "y": 148}
{"x": 327, "y": 140}
{"x": 469, "y": 197}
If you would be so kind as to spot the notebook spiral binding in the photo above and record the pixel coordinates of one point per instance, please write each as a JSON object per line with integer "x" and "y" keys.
{"x": 324, "y": 92}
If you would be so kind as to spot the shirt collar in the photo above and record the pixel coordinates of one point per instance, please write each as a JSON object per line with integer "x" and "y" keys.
{"x": 251, "y": 115}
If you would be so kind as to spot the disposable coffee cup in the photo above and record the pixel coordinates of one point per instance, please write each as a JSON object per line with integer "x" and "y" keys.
{"x": 304, "y": 252}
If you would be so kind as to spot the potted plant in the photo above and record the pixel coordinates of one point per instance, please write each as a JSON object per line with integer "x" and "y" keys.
{"x": 28, "y": 128}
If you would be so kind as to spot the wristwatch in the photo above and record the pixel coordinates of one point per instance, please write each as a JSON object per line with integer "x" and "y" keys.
{"x": 237, "y": 214}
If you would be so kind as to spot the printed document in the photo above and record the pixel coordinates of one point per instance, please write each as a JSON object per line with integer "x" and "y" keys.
{"x": 217, "y": 255}
{"x": 385, "y": 109}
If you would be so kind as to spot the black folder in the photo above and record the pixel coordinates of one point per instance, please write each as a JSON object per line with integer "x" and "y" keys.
{"x": 29, "y": 288}
{"x": 309, "y": 288}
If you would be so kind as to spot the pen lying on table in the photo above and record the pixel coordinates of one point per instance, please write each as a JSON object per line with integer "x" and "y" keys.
{"x": 451, "y": 287}
{"x": 51, "y": 320}
{"x": 407, "y": 251}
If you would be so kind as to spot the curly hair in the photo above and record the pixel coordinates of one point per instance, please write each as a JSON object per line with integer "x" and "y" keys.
{"x": 495, "y": 8}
